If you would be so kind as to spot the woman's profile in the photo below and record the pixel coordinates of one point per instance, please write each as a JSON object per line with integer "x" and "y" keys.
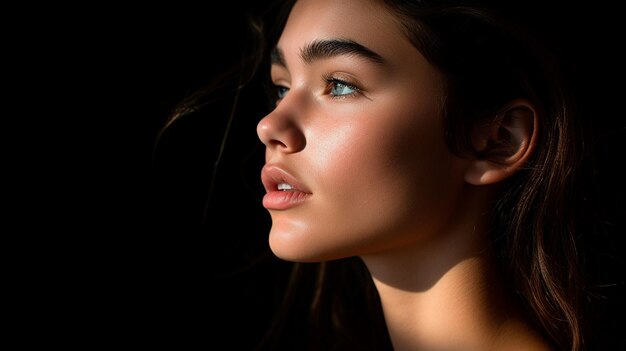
{"x": 426, "y": 172}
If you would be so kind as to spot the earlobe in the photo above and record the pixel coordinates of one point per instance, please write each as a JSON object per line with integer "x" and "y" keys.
{"x": 504, "y": 145}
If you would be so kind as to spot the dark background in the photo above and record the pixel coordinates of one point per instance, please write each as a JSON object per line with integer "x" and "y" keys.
{"x": 158, "y": 272}
{"x": 126, "y": 256}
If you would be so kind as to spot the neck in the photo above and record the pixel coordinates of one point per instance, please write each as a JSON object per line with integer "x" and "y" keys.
{"x": 447, "y": 295}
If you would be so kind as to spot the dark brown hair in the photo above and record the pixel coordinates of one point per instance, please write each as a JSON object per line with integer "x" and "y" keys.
{"x": 488, "y": 61}
{"x": 540, "y": 222}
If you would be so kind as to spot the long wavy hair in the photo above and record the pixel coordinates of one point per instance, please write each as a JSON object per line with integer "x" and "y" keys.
{"x": 539, "y": 223}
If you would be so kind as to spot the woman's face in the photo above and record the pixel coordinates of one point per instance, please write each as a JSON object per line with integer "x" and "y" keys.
{"x": 355, "y": 155}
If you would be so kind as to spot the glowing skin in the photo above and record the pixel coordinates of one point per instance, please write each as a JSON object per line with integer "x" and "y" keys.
{"x": 356, "y": 165}
{"x": 371, "y": 156}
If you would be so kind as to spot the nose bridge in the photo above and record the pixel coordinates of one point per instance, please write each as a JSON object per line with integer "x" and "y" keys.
{"x": 281, "y": 129}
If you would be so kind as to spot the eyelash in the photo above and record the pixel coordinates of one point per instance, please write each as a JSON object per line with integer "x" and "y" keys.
{"x": 331, "y": 82}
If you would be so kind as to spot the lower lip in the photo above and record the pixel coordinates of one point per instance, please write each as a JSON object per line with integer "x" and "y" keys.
{"x": 282, "y": 200}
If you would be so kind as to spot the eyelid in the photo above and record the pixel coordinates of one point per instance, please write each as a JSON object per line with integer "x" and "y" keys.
{"x": 278, "y": 73}
{"x": 333, "y": 78}
{"x": 280, "y": 82}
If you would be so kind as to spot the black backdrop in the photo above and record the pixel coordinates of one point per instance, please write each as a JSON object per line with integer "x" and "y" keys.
{"x": 162, "y": 273}
{"x": 139, "y": 268}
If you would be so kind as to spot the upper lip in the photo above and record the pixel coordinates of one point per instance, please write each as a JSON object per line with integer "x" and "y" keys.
{"x": 272, "y": 175}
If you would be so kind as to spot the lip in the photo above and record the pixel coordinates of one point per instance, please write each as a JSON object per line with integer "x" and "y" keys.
{"x": 274, "y": 199}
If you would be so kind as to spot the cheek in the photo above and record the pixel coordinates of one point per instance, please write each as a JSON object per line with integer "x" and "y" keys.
{"x": 384, "y": 181}
{"x": 398, "y": 177}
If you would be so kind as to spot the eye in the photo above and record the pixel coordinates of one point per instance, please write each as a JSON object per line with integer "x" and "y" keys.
{"x": 341, "y": 88}
{"x": 281, "y": 91}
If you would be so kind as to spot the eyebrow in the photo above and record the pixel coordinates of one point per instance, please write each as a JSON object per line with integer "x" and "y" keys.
{"x": 323, "y": 49}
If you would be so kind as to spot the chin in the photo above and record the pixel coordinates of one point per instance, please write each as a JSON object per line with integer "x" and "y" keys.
{"x": 297, "y": 248}
{"x": 291, "y": 250}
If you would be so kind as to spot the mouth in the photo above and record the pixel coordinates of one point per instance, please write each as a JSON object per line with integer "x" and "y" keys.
{"x": 283, "y": 191}
{"x": 275, "y": 178}
{"x": 286, "y": 187}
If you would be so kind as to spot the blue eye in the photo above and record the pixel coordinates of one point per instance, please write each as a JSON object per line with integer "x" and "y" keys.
{"x": 341, "y": 89}
{"x": 338, "y": 88}
{"x": 281, "y": 91}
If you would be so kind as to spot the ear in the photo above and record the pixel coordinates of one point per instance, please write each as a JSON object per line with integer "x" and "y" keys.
{"x": 504, "y": 144}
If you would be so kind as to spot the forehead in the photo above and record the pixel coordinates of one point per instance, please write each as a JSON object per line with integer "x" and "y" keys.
{"x": 367, "y": 22}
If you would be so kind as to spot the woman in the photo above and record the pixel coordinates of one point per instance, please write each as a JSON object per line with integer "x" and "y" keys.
{"x": 424, "y": 161}
{"x": 429, "y": 142}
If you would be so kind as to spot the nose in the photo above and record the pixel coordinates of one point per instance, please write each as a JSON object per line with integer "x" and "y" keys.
{"x": 280, "y": 130}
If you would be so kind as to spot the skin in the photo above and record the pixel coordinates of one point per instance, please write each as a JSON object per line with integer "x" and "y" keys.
{"x": 374, "y": 179}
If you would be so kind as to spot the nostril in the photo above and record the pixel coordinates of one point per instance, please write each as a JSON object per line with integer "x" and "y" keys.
{"x": 277, "y": 144}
